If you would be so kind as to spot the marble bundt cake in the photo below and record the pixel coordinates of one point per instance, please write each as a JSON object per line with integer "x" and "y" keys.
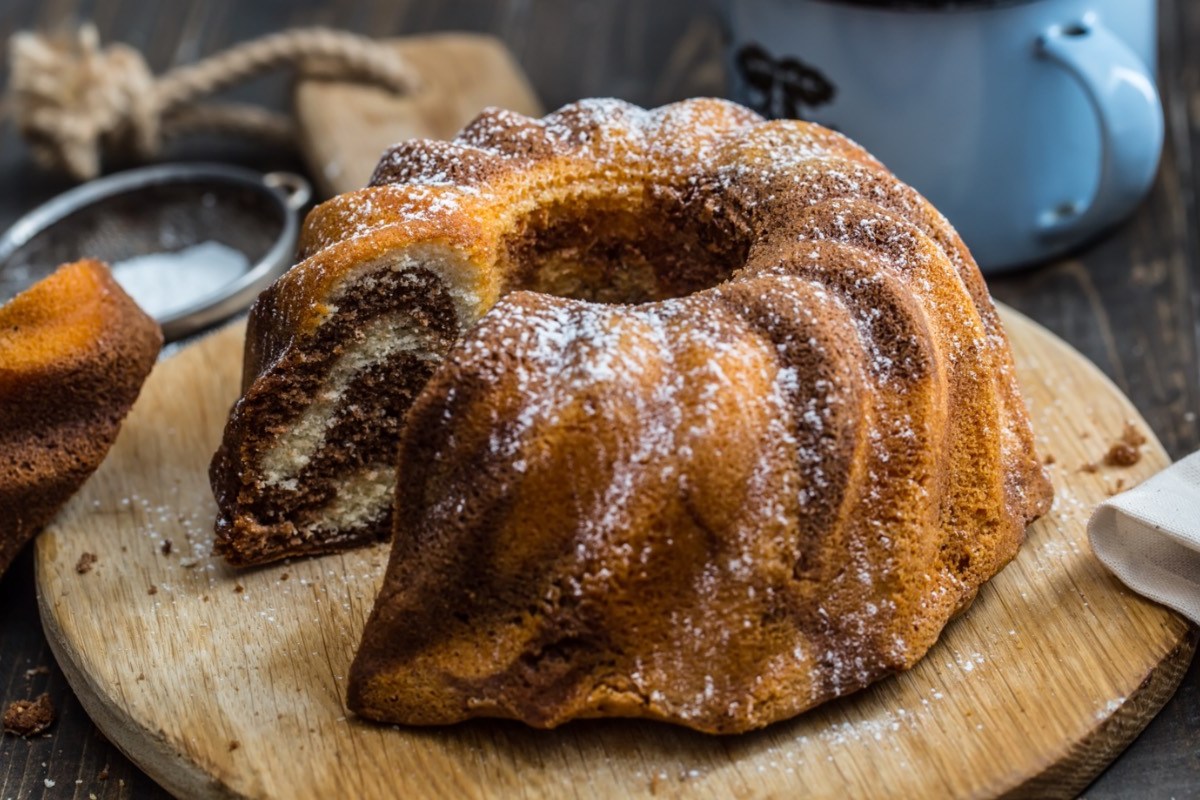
{"x": 74, "y": 351}
{"x": 738, "y": 433}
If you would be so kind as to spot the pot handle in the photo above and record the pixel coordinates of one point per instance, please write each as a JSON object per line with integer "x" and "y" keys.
{"x": 293, "y": 188}
{"x": 1128, "y": 108}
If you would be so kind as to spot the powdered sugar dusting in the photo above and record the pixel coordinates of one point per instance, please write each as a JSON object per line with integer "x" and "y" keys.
{"x": 789, "y": 424}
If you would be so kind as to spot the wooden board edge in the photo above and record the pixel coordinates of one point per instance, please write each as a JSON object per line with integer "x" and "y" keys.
{"x": 1088, "y": 757}
{"x": 1064, "y": 774}
{"x": 1068, "y": 774}
{"x": 1009, "y": 315}
{"x": 152, "y": 753}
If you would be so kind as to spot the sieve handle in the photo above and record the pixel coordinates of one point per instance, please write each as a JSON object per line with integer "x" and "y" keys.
{"x": 295, "y": 190}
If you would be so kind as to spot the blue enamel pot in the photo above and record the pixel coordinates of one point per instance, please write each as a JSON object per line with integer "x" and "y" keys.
{"x": 1034, "y": 125}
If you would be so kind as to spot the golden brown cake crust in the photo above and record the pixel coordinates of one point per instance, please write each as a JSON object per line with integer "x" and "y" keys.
{"x": 701, "y": 418}
{"x": 722, "y": 501}
{"x": 74, "y": 351}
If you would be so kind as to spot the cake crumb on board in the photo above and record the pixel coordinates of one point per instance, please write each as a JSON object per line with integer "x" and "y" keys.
{"x": 1125, "y": 452}
{"x": 85, "y": 563}
{"x": 29, "y": 717}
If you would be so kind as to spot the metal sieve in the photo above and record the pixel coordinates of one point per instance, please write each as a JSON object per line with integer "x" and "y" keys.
{"x": 163, "y": 210}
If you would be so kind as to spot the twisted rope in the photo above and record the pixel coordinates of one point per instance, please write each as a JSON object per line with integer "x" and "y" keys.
{"x": 74, "y": 101}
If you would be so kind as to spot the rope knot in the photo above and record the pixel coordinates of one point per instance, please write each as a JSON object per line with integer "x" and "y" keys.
{"x": 74, "y": 100}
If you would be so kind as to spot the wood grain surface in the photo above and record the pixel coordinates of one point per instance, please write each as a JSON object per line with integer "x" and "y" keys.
{"x": 203, "y": 675}
{"x": 1129, "y": 302}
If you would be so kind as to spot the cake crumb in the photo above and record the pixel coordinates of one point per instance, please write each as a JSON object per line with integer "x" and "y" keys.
{"x": 167, "y": 546}
{"x": 1049, "y": 459}
{"x": 234, "y": 744}
{"x": 42, "y": 670}
{"x": 1090, "y": 468}
{"x": 239, "y": 589}
{"x": 102, "y": 775}
{"x": 1125, "y": 452}
{"x": 152, "y": 590}
{"x": 284, "y": 576}
{"x": 1122, "y": 455}
{"x": 29, "y": 717}
{"x": 85, "y": 563}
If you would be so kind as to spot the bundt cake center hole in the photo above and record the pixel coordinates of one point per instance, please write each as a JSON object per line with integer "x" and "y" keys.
{"x": 633, "y": 249}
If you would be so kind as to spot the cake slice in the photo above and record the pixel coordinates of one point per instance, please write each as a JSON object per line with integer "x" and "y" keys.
{"x": 74, "y": 351}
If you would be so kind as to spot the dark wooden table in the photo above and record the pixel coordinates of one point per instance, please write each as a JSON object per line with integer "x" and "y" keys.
{"x": 1130, "y": 302}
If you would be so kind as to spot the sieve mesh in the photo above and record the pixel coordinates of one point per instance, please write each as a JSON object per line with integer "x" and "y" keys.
{"x": 149, "y": 219}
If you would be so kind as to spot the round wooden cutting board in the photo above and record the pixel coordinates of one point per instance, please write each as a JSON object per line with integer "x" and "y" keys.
{"x": 222, "y": 683}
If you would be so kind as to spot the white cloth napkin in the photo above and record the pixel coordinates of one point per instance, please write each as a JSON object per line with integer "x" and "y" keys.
{"x": 1149, "y": 537}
